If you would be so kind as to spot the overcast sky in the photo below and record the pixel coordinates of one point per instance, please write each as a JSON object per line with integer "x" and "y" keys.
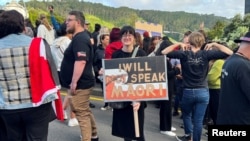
{"x": 224, "y": 8}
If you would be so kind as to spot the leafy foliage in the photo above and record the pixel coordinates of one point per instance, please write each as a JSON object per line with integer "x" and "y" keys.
{"x": 217, "y": 28}
{"x": 171, "y": 21}
{"x": 217, "y": 31}
{"x": 236, "y": 29}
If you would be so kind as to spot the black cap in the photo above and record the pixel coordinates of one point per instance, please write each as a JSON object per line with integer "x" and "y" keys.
{"x": 245, "y": 38}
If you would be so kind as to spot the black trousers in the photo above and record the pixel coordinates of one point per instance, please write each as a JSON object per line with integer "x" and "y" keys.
{"x": 213, "y": 103}
{"x": 166, "y": 114}
{"x": 30, "y": 124}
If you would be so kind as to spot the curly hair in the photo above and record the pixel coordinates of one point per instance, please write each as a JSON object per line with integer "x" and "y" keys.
{"x": 11, "y": 22}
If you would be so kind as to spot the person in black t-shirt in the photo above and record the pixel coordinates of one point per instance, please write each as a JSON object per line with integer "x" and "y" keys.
{"x": 194, "y": 64}
{"x": 234, "y": 101}
{"x": 77, "y": 74}
{"x": 123, "y": 122}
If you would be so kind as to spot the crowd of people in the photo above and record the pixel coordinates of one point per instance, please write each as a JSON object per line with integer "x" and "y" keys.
{"x": 207, "y": 79}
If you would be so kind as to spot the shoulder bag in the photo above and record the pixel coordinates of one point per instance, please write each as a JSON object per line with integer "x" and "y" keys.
{"x": 121, "y": 105}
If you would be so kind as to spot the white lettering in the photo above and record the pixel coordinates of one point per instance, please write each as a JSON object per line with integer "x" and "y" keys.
{"x": 215, "y": 132}
{"x": 231, "y": 133}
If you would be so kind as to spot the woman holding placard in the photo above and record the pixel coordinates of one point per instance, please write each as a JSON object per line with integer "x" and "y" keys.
{"x": 123, "y": 124}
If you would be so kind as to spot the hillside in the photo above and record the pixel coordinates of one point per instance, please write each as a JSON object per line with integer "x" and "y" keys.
{"x": 171, "y": 21}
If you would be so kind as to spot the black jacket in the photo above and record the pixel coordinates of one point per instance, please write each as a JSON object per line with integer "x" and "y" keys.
{"x": 97, "y": 63}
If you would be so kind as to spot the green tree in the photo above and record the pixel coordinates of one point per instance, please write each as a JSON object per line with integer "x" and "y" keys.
{"x": 171, "y": 21}
{"x": 217, "y": 31}
{"x": 246, "y": 20}
{"x": 237, "y": 33}
{"x": 235, "y": 22}
{"x": 236, "y": 29}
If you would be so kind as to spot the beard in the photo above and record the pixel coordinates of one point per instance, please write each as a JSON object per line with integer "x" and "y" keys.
{"x": 71, "y": 30}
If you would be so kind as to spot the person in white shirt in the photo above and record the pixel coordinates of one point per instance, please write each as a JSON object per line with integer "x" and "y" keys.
{"x": 45, "y": 30}
{"x": 57, "y": 48}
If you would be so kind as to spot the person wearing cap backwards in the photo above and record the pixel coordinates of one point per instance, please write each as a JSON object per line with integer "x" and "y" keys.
{"x": 234, "y": 104}
{"x": 86, "y": 27}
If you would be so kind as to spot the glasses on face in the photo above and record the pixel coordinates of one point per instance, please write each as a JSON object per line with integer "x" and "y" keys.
{"x": 127, "y": 35}
{"x": 69, "y": 20}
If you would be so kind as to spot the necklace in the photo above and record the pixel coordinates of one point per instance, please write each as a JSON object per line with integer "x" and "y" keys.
{"x": 241, "y": 54}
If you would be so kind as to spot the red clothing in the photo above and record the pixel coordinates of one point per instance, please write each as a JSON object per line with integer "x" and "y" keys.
{"x": 45, "y": 85}
{"x": 111, "y": 48}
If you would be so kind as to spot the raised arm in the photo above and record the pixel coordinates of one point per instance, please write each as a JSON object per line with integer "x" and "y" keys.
{"x": 55, "y": 23}
{"x": 221, "y": 47}
{"x": 173, "y": 47}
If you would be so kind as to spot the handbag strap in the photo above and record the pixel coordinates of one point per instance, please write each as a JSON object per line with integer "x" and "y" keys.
{"x": 135, "y": 52}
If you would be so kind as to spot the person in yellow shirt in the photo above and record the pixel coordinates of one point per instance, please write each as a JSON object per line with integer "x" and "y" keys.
{"x": 214, "y": 85}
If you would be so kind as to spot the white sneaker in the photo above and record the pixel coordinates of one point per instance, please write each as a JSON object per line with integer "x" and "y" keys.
{"x": 65, "y": 115}
{"x": 105, "y": 108}
{"x": 73, "y": 122}
{"x": 173, "y": 129}
{"x": 169, "y": 133}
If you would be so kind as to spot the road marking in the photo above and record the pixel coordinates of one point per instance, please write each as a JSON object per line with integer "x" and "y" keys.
{"x": 97, "y": 98}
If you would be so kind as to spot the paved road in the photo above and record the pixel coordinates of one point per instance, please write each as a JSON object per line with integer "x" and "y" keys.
{"x": 59, "y": 131}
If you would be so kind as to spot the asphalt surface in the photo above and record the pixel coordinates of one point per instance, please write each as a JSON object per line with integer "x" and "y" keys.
{"x": 59, "y": 131}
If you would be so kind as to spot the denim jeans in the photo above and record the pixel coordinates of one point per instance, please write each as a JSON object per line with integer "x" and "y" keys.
{"x": 194, "y": 103}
